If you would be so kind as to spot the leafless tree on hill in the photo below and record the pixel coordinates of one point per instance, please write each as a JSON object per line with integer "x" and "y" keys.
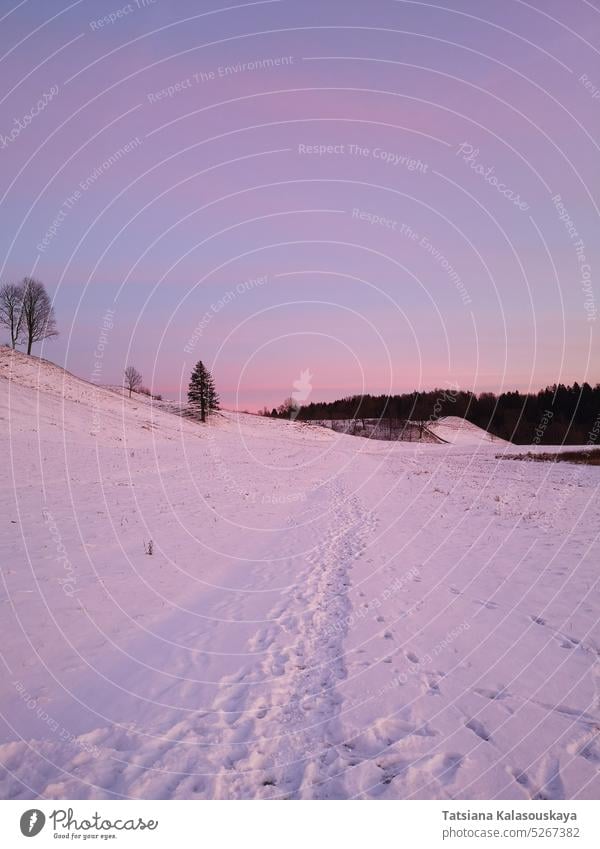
{"x": 133, "y": 379}
{"x": 11, "y": 311}
{"x": 38, "y": 320}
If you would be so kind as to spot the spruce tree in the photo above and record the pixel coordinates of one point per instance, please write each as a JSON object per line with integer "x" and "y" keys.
{"x": 202, "y": 395}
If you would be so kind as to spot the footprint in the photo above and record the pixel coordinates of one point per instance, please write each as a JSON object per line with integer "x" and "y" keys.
{"x": 500, "y": 693}
{"x": 490, "y": 605}
{"x": 391, "y": 766}
{"x": 550, "y": 784}
{"x": 587, "y": 748}
{"x": 520, "y": 777}
{"x": 433, "y": 688}
{"x": 565, "y": 710}
{"x": 590, "y": 753}
{"x": 478, "y": 728}
{"x": 445, "y": 767}
{"x": 538, "y": 620}
{"x": 567, "y": 642}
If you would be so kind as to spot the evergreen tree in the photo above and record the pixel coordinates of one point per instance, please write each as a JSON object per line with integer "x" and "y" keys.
{"x": 202, "y": 395}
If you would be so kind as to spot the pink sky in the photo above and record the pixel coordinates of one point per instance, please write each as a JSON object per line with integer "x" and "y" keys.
{"x": 374, "y": 275}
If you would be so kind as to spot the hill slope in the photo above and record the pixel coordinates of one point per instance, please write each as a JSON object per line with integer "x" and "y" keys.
{"x": 459, "y": 431}
{"x": 321, "y": 616}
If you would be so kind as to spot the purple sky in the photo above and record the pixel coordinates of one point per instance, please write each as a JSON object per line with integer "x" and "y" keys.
{"x": 423, "y": 246}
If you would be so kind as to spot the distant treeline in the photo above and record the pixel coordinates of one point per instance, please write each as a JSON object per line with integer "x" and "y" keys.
{"x": 555, "y": 415}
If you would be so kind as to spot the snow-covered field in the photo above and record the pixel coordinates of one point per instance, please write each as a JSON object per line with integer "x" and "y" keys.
{"x": 322, "y": 616}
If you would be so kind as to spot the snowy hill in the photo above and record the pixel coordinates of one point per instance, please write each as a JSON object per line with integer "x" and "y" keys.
{"x": 449, "y": 429}
{"x": 103, "y": 412}
{"x": 322, "y": 616}
{"x": 459, "y": 431}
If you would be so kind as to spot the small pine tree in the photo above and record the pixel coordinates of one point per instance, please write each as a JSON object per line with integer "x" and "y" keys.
{"x": 202, "y": 395}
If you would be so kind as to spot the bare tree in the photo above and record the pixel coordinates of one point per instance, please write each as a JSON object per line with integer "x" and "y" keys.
{"x": 288, "y": 408}
{"x": 11, "y": 311}
{"x": 133, "y": 379}
{"x": 37, "y": 312}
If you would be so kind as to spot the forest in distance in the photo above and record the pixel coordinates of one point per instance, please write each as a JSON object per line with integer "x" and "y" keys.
{"x": 555, "y": 415}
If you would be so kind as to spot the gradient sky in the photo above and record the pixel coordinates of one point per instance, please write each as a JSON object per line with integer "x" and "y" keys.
{"x": 217, "y": 236}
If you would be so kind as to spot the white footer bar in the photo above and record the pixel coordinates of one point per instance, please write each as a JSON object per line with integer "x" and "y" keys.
{"x": 301, "y": 825}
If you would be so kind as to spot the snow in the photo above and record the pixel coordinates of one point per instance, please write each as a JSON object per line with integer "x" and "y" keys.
{"x": 459, "y": 431}
{"x": 323, "y": 616}
{"x": 381, "y": 428}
